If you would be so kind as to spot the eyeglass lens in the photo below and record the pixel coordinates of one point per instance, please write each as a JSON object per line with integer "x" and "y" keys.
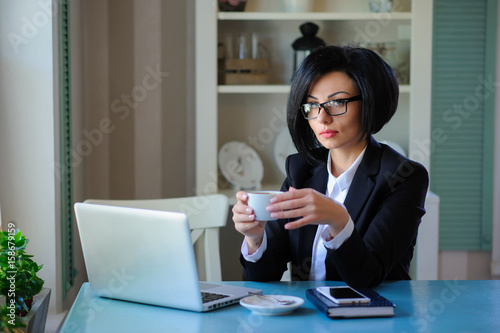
{"x": 334, "y": 107}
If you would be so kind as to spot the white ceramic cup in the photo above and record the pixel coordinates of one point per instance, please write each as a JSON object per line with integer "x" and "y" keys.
{"x": 258, "y": 201}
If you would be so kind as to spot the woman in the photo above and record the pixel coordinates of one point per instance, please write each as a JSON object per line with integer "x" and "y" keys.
{"x": 351, "y": 206}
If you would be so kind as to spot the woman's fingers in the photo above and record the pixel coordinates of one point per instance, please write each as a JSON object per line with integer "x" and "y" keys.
{"x": 242, "y": 197}
{"x": 241, "y": 211}
{"x": 290, "y": 213}
{"x": 244, "y": 219}
{"x": 308, "y": 207}
{"x": 297, "y": 224}
{"x": 291, "y": 202}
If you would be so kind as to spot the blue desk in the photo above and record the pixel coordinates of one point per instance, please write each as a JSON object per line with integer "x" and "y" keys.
{"x": 422, "y": 306}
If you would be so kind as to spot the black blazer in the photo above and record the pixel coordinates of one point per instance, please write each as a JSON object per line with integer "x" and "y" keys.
{"x": 386, "y": 203}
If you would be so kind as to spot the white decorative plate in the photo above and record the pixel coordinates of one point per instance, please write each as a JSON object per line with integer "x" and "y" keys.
{"x": 283, "y": 146}
{"x": 240, "y": 165}
{"x": 268, "y": 306}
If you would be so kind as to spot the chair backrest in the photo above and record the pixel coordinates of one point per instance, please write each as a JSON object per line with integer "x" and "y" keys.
{"x": 206, "y": 214}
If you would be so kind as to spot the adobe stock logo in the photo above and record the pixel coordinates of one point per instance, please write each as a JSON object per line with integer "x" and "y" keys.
{"x": 428, "y": 312}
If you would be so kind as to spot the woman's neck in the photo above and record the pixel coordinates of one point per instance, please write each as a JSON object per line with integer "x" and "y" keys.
{"x": 343, "y": 158}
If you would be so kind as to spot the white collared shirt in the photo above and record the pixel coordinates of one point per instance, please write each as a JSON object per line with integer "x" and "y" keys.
{"x": 337, "y": 188}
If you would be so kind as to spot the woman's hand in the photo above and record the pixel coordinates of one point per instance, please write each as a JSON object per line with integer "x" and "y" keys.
{"x": 245, "y": 223}
{"x": 311, "y": 207}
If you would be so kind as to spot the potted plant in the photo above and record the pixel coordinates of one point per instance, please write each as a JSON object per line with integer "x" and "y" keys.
{"x": 9, "y": 323}
{"x": 19, "y": 282}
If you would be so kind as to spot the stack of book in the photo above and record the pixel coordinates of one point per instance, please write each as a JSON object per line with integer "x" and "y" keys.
{"x": 378, "y": 306}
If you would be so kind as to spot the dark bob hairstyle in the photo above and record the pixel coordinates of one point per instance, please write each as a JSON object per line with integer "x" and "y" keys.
{"x": 371, "y": 76}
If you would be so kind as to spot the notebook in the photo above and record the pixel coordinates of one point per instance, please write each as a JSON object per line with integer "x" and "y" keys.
{"x": 146, "y": 256}
{"x": 379, "y": 306}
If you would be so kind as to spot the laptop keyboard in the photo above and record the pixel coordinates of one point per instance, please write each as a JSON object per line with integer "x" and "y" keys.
{"x": 208, "y": 297}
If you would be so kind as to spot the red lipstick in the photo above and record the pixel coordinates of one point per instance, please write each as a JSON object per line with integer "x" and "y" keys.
{"x": 328, "y": 133}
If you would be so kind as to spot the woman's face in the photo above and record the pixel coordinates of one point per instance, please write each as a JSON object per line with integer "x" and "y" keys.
{"x": 341, "y": 132}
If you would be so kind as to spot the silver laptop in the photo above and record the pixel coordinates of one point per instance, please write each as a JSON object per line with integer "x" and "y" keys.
{"x": 146, "y": 256}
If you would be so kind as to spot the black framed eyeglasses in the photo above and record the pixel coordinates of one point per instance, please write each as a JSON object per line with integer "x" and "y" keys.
{"x": 334, "y": 107}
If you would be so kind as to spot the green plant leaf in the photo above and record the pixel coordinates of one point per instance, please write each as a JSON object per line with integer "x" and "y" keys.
{"x": 6, "y": 322}
{"x": 17, "y": 235}
{"x": 22, "y": 266}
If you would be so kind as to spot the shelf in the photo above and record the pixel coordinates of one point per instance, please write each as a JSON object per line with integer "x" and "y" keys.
{"x": 254, "y": 89}
{"x": 334, "y": 16}
{"x": 343, "y": 23}
{"x": 271, "y": 89}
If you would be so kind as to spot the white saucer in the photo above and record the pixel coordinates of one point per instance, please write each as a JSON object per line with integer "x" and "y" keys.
{"x": 267, "y": 305}
{"x": 283, "y": 146}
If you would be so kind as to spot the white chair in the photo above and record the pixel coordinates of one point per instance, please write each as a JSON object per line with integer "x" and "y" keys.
{"x": 206, "y": 214}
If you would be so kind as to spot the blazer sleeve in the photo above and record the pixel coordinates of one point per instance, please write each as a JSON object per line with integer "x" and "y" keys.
{"x": 381, "y": 246}
{"x": 273, "y": 263}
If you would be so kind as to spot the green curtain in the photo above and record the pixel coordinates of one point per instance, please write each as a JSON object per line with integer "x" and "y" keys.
{"x": 463, "y": 110}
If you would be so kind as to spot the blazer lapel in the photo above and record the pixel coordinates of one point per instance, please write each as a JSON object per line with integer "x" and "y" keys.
{"x": 319, "y": 179}
{"x": 362, "y": 183}
{"x": 305, "y": 236}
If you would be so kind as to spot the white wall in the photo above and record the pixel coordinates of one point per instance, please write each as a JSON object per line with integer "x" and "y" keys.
{"x": 28, "y": 120}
